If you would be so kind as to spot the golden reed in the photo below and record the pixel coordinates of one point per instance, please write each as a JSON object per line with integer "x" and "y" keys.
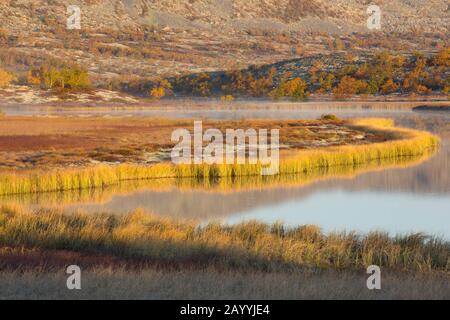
{"x": 402, "y": 143}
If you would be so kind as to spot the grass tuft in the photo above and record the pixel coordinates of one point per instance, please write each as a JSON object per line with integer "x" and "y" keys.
{"x": 249, "y": 245}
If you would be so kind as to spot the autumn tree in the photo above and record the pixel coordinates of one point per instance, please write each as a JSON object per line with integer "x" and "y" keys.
{"x": 372, "y": 87}
{"x": 420, "y": 61}
{"x": 252, "y": 82}
{"x": 414, "y": 80}
{"x": 314, "y": 70}
{"x": 226, "y": 99}
{"x": 73, "y": 77}
{"x": 422, "y": 89}
{"x": 435, "y": 79}
{"x": 442, "y": 58}
{"x": 263, "y": 84}
{"x": 346, "y": 70}
{"x": 411, "y": 81}
{"x": 326, "y": 81}
{"x": 49, "y": 77}
{"x": 235, "y": 82}
{"x": 294, "y": 89}
{"x": 161, "y": 90}
{"x": 6, "y": 78}
{"x": 157, "y": 93}
{"x": 446, "y": 88}
{"x": 378, "y": 71}
{"x": 348, "y": 87}
{"x": 389, "y": 87}
{"x": 201, "y": 85}
{"x": 363, "y": 71}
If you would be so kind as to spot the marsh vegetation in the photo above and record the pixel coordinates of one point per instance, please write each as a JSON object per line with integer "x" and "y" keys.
{"x": 249, "y": 245}
{"x": 140, "y": 255}
{"x": 297, "y": 159}
{"x": 120, "y": 249}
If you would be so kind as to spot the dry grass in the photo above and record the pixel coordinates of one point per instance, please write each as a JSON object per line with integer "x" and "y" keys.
{"x": 404, "y": 143}
{"x": 105, "y": 283}
{"x": 221, "y": 185}
{"x": 247, "y": 246}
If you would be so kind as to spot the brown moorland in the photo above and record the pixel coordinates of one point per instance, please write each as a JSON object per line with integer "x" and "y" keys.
{"x": 47, "y": 142}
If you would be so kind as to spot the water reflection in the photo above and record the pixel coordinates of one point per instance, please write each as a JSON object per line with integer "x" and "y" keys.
{"x": 362, "y": 211}
{"x": 204, "y": 199}
{"x": 395, "y": 197}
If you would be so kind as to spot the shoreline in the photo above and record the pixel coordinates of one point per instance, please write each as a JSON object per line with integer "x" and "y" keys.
{"x": 199, "y": 103}
{"x": 400, "y": 142}
{"x": 141, "y": 251}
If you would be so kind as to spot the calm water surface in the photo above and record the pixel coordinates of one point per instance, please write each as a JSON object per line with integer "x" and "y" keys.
{"x": 395, "y": 200}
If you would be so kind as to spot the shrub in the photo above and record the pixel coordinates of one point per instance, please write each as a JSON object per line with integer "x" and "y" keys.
{"x": 442, "y": 58}
{"x": 157, "y": 93}
{"x": 73, "y": 77}
{"x": 201, "y": 85}
{"x": 33, "y": 78}
{"x": 348, "y": 87}
{"x": 446, "y": 88}
{"x": 389, "y": 87}
{"x": 227, "y": 98}
{"x": 329, "y": 117}
{"x": 326, "y": 81}
{"x": 422, "y": 89}
{"x": 4, "y": 36}
{"x": 161, "y": 90}
{"x": 295, "y": 89}
{"x": 6, "y": 78}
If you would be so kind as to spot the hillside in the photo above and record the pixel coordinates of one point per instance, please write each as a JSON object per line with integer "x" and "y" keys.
{"x": 221, "y": 16}
{"x": 124, "y": 42}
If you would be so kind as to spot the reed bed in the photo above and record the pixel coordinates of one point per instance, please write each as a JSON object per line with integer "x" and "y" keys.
{"x": 220, "y": 185}
{"x": 403, "y": 143}
{"x": 248, "y": 246}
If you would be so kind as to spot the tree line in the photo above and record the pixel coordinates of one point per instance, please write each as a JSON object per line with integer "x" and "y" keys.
{"x": 382, "y": 74}
{"x": 71, "y": 77}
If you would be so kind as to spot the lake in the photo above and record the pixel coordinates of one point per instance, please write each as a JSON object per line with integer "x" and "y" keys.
{"x": 399, "y": 199}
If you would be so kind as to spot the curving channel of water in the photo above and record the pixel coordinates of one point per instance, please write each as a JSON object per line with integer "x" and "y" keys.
{"x": 395, "y": 199}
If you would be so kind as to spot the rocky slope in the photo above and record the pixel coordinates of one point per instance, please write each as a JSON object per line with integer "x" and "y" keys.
{"x": 131, "y": 39}
{"x": 226, "y": 15}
